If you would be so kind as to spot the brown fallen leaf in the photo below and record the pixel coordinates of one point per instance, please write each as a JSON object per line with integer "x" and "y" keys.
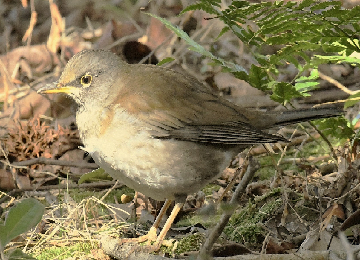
{"x": 334, "y": 210}
{"x": 157, "y": 34}
{"x": 113, "y": 31}
{"x": 6, "y": 180}
{"x": 26, "y": 61}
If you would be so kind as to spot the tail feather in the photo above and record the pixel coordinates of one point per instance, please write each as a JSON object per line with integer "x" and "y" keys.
{"x": 302, "y": 115}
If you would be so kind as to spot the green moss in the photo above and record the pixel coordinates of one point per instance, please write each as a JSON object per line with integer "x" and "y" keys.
{"x": 210, "y": 188}
{"x": 190, "y": 243}
{"x": 63, "y": 252}
{"x": 272, "y": 193}
{"x": 245, "y": 226}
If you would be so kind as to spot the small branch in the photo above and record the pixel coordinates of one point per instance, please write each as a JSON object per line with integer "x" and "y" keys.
{"x": 46, "y": 161}
{"x": 336, "y": 83}
{"x": 109, "y": 190}
{"x": 294, "y": 142}
{"x": 103, "y": 184}
{"x": 326, "y": 140}
{"x": 239, "y": 172}
{"x": 240, "y": 189}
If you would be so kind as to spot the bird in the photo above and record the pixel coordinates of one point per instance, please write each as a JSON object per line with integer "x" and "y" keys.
{"x": 162, "y": 132}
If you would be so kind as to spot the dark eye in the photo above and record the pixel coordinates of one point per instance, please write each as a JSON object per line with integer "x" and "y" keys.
{"x": 86, "y": 80}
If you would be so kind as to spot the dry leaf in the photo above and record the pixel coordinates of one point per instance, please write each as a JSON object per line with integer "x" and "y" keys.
{"x": 335, "y": 210}
{"x": 6, "y": 180}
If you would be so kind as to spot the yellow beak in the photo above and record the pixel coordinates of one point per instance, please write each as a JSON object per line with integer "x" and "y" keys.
{"x": 56, "y": 88}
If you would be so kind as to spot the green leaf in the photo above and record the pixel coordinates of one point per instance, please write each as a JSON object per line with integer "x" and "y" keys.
{"x": 304, "y": 87}
{"x": 307, "y": 34}
{"x": 194, "y": 46}
{"x": 183, "y": 35}
{"x": 241, "y": 75}
{"x": 208, "y": 6}
{"x": 337, "y": 127}
{"x": 94, "y": 176}
{"x": 305, "y": 84}
{"x": 337, "y": 58}
{"x": 240, "y": 4}
{"x": 224, "y": 30}
{"x": 258, "y": 78}
{"x": 283, "y": 92}
{"x": 164, "y": 61}
{"x": 21, "y": 218}
{"x": 352, "y": 100}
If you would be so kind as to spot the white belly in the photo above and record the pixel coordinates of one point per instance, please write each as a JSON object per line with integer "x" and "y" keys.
{"x": 159, "y": 168}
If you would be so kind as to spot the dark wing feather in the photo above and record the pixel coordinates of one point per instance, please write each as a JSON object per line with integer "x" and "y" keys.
{"x": 234, "y": 134}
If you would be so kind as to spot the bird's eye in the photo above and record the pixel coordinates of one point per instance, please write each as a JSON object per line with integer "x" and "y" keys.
{"x": 86, "y": 80}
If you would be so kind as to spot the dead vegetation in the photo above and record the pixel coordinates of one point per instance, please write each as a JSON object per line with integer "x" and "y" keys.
{"x": 299, "y": 201}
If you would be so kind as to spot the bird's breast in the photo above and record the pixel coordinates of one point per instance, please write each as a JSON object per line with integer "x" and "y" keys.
{"x": 159, "y": 168}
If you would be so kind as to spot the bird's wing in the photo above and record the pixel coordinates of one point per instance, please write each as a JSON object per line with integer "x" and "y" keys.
{"x": 187, "y": 110}
{"x": 232, "y": 134}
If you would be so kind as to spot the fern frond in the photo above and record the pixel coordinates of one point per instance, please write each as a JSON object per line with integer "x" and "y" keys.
{"x": 209, "y": 6}
{"x": 307, "y": 34}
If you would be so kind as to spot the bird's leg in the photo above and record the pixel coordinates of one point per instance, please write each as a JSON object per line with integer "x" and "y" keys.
{"x": 152, "y": 232}
{"x": 151, "y": 235}
{"x": 168, "y": 224}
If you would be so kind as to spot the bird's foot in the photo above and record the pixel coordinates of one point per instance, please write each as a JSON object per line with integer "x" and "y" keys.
{"x": 152, "y": 241}
{"x": 149, "y": 238}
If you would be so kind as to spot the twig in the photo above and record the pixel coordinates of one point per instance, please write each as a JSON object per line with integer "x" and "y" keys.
{"x": 7, "y": 80}
{"x": 239, "y": 172}
{"x": 264, "y": 244}
{"x": 46, "y": 161}
{"x": 33, "y": 19}
{"x": 336, "y": 83}
{"x": 347, "y": 193}
{"x": 310, "y": 159}
{"x": 103, "y": 184}
{"x": 217, "y": 230}
{"x": 326, "y": 141}
{"x": 294, "y": 142}
{"x": 109, "y": 190}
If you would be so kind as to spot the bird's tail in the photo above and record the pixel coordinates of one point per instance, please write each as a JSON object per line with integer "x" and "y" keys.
{"x": 302, "y": 115}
